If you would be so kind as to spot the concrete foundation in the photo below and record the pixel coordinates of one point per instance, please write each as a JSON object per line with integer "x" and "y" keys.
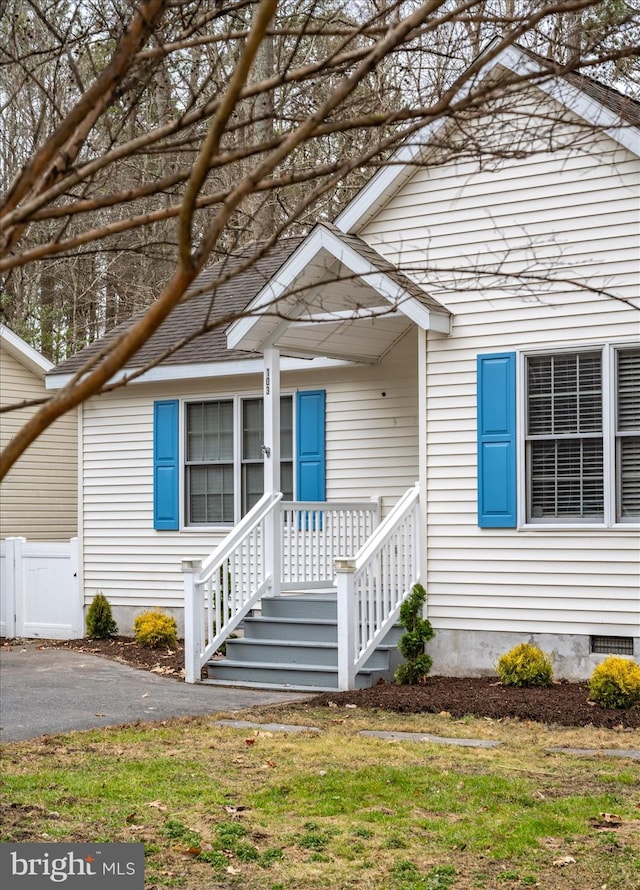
{"x": 466, "y": 653}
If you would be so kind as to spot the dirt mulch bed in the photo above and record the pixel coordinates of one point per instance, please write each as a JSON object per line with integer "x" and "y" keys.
{"x": 562, "y": 704}
{"x": 163, "y": 660}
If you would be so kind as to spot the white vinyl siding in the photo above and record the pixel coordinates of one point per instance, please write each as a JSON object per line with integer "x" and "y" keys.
{"x": 372, "y": 451}
{"x": 574, "y": 215}
{"x": 40, "y": 493}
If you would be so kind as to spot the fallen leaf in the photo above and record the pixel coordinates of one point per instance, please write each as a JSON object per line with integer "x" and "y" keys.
{"x": 157, "y": 804}
{"x": 249, "y": 741}
{"x": 606, "y": 820}
{"x": 131, "y": 818}
{"x": 352, "y": 707}
{"x": 191, "y": 852}
{"x": 234, "y": 811}
{"x": 232, "y": 871}
{"x": 564, "y": 860}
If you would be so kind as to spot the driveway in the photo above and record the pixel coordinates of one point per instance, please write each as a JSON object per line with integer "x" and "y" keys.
{"x": 57, "y": 690}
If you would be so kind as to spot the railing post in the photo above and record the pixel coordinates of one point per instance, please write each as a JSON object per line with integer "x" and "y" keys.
{"x": 13, "y": 586}
{"x": 345, "y": 569}
{"x": 193, "y": 617}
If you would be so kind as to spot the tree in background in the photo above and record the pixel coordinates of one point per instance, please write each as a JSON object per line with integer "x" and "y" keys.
{"x": 143, "y": 140}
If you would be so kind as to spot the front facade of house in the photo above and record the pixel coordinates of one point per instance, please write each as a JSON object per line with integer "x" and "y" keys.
{"x": 503, "y": 378}
{"x": 137, "y": 565}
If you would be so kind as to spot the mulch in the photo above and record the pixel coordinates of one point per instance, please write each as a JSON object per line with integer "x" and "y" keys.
{"x": 561, "y": 704}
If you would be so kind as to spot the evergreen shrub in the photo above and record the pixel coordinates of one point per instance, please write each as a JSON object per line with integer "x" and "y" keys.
{"x": 155, "y": 628}
{"x": 99, "y": 620}
{"x": 525, "y": 665}
{"x": 411, "y": 644}
{"x": 615, "y": 683}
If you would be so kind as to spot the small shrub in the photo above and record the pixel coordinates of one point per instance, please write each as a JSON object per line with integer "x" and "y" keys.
{"x": 99, "y": 621}
{"x": 412, "y": 643}
{"x": 155, "y": 628}
{"x": 525, "y": 665}
{"x": 615, "y": 683}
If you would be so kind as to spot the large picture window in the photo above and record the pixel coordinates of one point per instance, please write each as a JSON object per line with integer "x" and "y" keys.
{"x": 581, "y": 435}
{"x": 224, "y": 473}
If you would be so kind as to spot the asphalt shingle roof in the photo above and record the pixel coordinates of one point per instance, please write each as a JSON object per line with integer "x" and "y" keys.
{"x": 188, "y": 317}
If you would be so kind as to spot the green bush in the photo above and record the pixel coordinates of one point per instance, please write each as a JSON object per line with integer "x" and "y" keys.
{"x": 155, "y": 628}
{"x": 99, "y": 621}
{"x": 412, "y": 643}
{"x": 525, "y": 665}
{"x": 615, "y": 683}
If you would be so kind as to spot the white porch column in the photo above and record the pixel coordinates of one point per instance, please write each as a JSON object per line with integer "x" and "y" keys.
{"x": 422, "y": 455}
{"x": 193, "y": 620}
{"x": 271, "y": 445}
{"x": 271, "y": 452}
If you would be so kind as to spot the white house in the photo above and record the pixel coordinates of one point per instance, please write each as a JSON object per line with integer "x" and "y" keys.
{"x": 39, "y": 495}
{"x": 449, "y": 392}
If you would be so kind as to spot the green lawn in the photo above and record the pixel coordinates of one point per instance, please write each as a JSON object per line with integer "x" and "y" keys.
{"x": 220, "y": 807}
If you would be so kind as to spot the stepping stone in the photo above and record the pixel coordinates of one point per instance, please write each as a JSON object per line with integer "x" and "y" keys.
{"x": 608, "y": 752}
{"x": 425, "y": 737}
{"x": 266, "y": 727}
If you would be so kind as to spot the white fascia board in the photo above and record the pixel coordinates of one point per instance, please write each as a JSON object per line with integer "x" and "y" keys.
{"x": 297, "y": 262}
{"x": 393, "y": 292}
{"x": 24, "y": 353}
{"x": 400, "y": 166}
{"x": 322, "y": 238}
{"x": 207, "y": 370}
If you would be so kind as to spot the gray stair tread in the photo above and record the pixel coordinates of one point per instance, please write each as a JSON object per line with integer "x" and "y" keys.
{"x": 275, "y": 665}
{"x": 263, "y": 619}
{"x": 306, "y": 644}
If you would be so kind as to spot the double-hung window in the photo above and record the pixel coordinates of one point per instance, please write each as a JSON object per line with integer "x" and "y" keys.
{"x": 582, "y": 437}
{"x": 224, "y": 464}
{"x": 580, "y": 428}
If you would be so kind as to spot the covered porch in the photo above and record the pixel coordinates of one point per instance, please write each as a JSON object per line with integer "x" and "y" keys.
{"x": 337, "y": 298}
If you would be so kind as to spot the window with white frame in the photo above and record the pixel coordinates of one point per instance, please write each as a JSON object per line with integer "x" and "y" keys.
{"x": 583, "y": 436}
{"x": 224, "y": 472}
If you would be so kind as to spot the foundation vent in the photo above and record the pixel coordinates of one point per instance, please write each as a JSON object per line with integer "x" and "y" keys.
{"x": 612, "y": 645}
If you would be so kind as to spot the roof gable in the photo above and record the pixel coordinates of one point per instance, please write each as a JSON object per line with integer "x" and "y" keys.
{"x": 330, "y": 284}
{"x": 588, "y": 99}
{"x": 27, "y": 356}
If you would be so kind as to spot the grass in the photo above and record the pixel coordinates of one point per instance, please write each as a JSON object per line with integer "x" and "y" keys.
{"x": 218, "y": 807}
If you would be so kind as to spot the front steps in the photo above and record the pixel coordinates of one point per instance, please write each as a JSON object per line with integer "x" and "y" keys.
{"x": 292, "y": 644}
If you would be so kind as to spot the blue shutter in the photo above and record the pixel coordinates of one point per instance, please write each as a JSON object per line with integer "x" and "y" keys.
{"x": 165, "y": 465}
{"x": 310, "y": 448}
{"x": 497, "y": 440}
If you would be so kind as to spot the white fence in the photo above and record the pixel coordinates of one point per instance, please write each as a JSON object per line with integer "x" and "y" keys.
{"x": 39, "y": 590}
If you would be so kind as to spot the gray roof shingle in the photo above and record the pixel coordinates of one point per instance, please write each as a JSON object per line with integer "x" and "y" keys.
{"x": 190, "y": 316}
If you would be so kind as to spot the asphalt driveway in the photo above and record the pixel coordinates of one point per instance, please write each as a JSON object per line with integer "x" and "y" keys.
{"x": 56, "y": 690}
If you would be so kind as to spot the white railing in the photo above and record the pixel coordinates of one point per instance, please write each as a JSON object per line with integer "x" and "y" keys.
{"x": 373, "y": 584}
{"x": 314, "y": 534}
{"x": 220, "y": 592}
{"x": 276, "y": 546}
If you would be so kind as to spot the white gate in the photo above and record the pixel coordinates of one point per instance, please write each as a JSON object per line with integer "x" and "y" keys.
{"x": 39, "y": 590}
